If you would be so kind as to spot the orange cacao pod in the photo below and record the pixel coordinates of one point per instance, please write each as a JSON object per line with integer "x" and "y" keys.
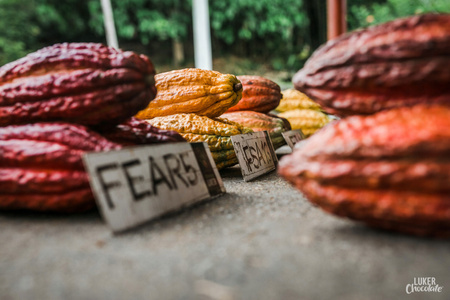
{"x": 389, "y": 170}
{"x": 259, "y": 94}
{"x": 399, "y": 63}
{"x": 82, "y": 83}
{"x": 202, "y": 92}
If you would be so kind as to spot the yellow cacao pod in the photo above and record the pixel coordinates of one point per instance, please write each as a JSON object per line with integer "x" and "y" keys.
{"x": 293, "y": 99}
{"x": 203, "y": 92}
{"x": 308, "y": 120}
{"x": 215, "y": 132}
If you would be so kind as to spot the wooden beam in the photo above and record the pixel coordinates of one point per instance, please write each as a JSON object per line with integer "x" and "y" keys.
{"x": 336, "y": 18}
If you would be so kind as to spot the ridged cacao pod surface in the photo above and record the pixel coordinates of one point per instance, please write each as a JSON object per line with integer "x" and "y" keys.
{"x": 308, "y": 120}
{"x": 215, "y": 132}
{"x": 399, "y": 63}
{"x": 259, "y": 94}
{"x": 286, "y": 124}
{"x": 293, "y": 99}
{"x": 83, "y": 83}
{"x": 139, "y": 132}
{"x": 260, "y": 122}
{"x": 203, "y": 92}
{"x": 41, "y": 166}
{"x": 389, "y": 170}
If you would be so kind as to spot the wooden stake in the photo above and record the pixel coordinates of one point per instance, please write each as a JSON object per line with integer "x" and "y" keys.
{"x": 336, "y": 18}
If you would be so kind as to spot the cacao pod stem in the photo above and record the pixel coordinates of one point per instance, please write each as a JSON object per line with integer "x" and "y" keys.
{"x": 237, "y": 87}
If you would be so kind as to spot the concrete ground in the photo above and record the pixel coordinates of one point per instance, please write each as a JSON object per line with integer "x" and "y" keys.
{"x": 262, "y": 240}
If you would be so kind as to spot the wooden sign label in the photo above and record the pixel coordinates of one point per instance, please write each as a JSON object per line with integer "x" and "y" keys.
{"x": 137, "y": 184}
{"x": 292, "y": 137}
{"x": 255, "y": 154}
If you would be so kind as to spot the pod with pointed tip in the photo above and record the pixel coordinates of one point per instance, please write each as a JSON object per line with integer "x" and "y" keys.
{"x": 83, "y": 83}
{"x": 203, "y": 92}
{"x": 399, "y": 63}
{"x": 389, "y": 170}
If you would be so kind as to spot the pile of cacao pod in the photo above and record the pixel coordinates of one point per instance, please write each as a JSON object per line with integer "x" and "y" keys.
{"x": 387, "y": 163}
{"x": 257, "y": 121}
{"x": 259, "y": 97}
{"x": 301, "y": 112}
{"x": 56, "y": 104}
{"x": 189, "y": 101}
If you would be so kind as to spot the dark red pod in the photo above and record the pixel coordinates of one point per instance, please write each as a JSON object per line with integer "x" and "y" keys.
{"x": 399, "y": 63}
{"x": 84, "y": 83}
{"x": 139, "y": 132}
{"x": 41, "y": 166}
{"x": 390, "y": 170}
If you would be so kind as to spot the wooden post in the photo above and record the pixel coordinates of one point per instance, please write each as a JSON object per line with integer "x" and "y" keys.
{"x": 336, "y": 18}
{"x": 110, "y": 29}
{"x": 202, "y": 35}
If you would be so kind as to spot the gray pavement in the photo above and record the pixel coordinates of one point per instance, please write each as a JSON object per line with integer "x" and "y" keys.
{"x": 262, "y": 240}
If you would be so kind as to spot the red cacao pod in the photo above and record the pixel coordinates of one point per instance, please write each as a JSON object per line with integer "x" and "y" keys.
{"x": 41, "y": 166}
{"x": 260, "y": 122}
{"x": 83, "y": 83}
{"x": 259, "y": 94}
{"x": 389, "y": 170}
{"x": 399, "y": 63}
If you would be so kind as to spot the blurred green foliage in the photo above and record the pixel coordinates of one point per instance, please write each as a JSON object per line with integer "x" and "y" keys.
{"x": 364, "y": 15}
{"x": 267, "y": 29}
{"x": 145, "y": 20}
{"x": 18, "y": 32}
{"x": 278, "y": 33}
